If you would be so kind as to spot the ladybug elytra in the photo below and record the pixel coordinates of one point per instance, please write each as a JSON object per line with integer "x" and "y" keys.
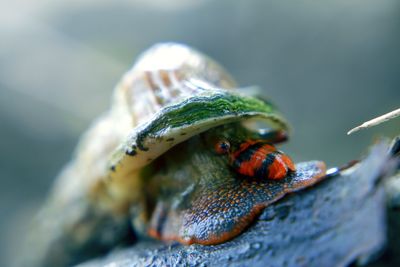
{"x": 257, "y": 159}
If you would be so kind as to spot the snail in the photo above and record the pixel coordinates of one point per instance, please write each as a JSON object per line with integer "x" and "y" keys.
{"x": 182, "y": 155}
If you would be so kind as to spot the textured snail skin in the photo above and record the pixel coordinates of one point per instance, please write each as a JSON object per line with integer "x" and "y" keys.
{"x": 204, "y": 201}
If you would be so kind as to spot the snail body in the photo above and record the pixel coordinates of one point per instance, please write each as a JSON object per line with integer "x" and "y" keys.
{"x": 182, "y": 155}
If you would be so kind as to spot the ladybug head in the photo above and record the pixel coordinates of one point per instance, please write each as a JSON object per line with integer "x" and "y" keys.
{"x": 223, "y": 147}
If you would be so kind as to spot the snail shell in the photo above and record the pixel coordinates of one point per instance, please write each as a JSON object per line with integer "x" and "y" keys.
{"x": 171, "y": 93}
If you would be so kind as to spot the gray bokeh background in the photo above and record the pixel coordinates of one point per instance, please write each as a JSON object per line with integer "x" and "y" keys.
{"x": 329, "y": 65}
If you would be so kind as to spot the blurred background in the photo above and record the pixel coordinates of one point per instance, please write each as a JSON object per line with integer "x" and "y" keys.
{"x": 329, "y": 65}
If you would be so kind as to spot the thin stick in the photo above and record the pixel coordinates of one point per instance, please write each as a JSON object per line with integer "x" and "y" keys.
{"x": 376, "y": 121}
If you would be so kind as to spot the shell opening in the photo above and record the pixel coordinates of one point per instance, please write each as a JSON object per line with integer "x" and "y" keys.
{"x": 266, "y": 130}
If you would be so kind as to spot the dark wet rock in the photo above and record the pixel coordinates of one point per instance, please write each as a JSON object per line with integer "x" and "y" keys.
{"x": 391, "y": 255}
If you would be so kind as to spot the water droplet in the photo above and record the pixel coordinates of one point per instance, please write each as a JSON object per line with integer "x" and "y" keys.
{"x": 244, "y": 248}
{"x": 256, "y": 245}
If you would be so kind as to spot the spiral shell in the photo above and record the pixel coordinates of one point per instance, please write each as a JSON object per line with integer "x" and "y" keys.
{"x": 171, "y": 93}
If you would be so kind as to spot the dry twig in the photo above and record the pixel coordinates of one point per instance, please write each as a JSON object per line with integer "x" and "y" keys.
{"x": 388, "y": 116}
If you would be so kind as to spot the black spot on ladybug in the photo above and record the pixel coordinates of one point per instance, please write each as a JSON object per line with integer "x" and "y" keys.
{"x": 263, "y": 170}
{"x": 183, "y": 133}
{"x": 112, "y": 168}
{"x": 170, "y": 139}
{"x": 246, "y": 154}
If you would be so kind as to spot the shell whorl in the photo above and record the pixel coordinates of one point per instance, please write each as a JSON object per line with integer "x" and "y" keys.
{"x": 167, "y": 74}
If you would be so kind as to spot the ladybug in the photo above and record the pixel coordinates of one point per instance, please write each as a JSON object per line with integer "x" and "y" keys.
{"x": 258, "y": 159}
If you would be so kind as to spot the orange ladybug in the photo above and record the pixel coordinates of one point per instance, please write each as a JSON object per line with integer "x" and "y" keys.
{"x": 259, "y": 159}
